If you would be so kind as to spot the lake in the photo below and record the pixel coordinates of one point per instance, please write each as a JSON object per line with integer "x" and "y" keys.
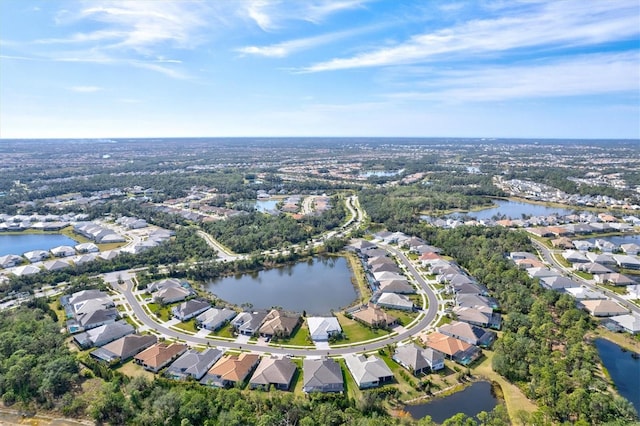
{"x": 22, "y": 243}
{"x": 316, "y": 286}
{"x": 515, "y": 210}
{"x": 472, "y": 400}
{"x": 623, "y": 369}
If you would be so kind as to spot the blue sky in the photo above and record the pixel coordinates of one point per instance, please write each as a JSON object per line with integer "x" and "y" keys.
{"x": 155, "y": 68}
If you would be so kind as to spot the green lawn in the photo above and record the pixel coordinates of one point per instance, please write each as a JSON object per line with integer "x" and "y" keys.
{"x": 300, "y": 337}
{"x": 585, "y": 275}
{"x": 355, "y": 332}
{"x": 162, "y": 312}
{"x": 399, "y": 373}
{"x": 226, "y": 331}
{"x": 405, "y": 317}
{"x": 350, "y": 387}
{"x": 188, "y": 326}
{"x": 615, "y": 288}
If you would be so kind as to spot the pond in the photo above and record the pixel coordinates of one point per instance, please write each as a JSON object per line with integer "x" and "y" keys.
{"x": 316, "y": 286}
{"x": 21, "y": 243}
{"x": 472, "y": 400}
{"x": 266, "y": 206}
{"x": 623, "y": 368}
{"x": 515, "y": 210}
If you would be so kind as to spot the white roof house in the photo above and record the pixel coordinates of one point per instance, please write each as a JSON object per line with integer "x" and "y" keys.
{"x": 395, "y": 301}
{"x": 21, "y": 271}
{"x": 368, "y": 372}
{"x": 36, "y": 255}
{"x": 630, "y": 322}
{"x": 63, "y": 251}
{"x": 321, "y": 328}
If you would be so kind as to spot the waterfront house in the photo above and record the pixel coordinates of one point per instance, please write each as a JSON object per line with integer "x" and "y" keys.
{"x": 394, "y": 301}
{"x": 10, "y": 260}
{"x": 63, "y": 251}
{"x": 36, "y": 255}
{"x": 215, "y": 318}
{"x": 124, "y": 348}
{"x": 368, "y": 372}
{"x": 193, "y": 364}
{"x": 272, "y": 371}
{"x": 374, "y": 317}
{"x": 189, "y": 309}
{"x": 248, "y": 323}
{"x": 231, "y": 369}
{"x": 456, "y": 349}
{"x": 159, "y": 355}
{"x": 279, "y": 324}
{"x": 322, "y": 375}
{"x": 322, "y": 328}
{"x": 418, "y": 360}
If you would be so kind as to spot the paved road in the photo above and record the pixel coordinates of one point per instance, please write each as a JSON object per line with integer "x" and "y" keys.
{"x": 547, "y": 256}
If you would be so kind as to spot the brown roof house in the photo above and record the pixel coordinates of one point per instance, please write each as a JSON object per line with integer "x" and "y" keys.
{"x": 279, "y": 324}
{"x": 278, "y": 372}
{"x": 459, "y": 351}
{"x": 468, "y": 333}
{"x": 603, "y": 308}
{"x": 230, "y": 369}
{"x": 159, "y": 355}
{"x": 374, "y": 317}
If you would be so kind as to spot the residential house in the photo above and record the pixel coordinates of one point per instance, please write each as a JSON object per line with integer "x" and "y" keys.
{"x": 397, "y": 286}
{"x": 272, "y": 371}
{"x": 322, "y": 375}
{"x": 36, "y": 255}
{"x": 606, "y": 246}
{"x": 456, "y": 349}
{"x": 189, "y": 309}
{"x": 215, "y": 318}
{"x": 248, "y": 323}
{"x": 563, "y": 243}
{"x": 574, "y": 256}
{"x": 55, "y": 265}
{"x": 395, "y": 301}
{"x": 630, "y": 249}
{"x": 159, "y": 355}
{"x": 479, "y": 317}
{"x": 193, "y": 364}
{"x": 418, "y": 360}
{"x": 169, "y": 295}
{"x": 583, "y": 293}
{"x": 384, "y": 267}
{"x": 629, "y": 322}
{"x": 469, "y": 288}
{"x": 603, "y": 308}
{"x": 593, "y": 268}
{"x": 387, "y": 275}
{"x": 375, "y": 317}
{"x": 231, "y": 369}
{"x": 468, "y": 333}
{"x": 627, "y": 262}
{"x": 165, "y": 283}
{"x": 322, "y": 328}
{"x": 558, "y": 282}
{"x": 87, "y": 248}
{"x": 601, "y": 258}
{"x": 124, "y": 348}
{"x": 583, "y": 245}
{"x": 63, "y": 251}
{"x": 541, "y": 272}
{"x": 613, "y": 279}
{"x": 368, "y": 372}
{"x": 475, "y": 301}
{"x": 10, "y": 260}
{"x": 103, "y": 334}
{"x": 279, "y": 324}
{"x": 24, "y": 270}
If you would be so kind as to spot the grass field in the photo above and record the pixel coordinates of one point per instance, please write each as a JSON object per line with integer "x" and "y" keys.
{"x": 131, "y": 369}
{"x": 358, "y": 278}
{"x": 226, "y": 331}
{"x": 355, "y": 332}
{"x": 188, "y": 326}
{"x": 300, "y": 337}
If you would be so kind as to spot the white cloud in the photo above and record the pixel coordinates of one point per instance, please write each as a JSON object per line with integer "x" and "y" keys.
{"x": 550, "y": 25}
{"x": 286, "y": 48}
{"x": 270, "y": 15}
{"x": 86, "y": 89}
{"x": 585, "y": 75}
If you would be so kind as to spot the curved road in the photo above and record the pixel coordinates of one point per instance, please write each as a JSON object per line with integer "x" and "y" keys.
{"x": 356, "y": 219}
{"x": 547, "y": 256}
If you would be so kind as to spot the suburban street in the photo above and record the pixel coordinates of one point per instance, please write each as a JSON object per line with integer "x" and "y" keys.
{"x": 547, "y": 256}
